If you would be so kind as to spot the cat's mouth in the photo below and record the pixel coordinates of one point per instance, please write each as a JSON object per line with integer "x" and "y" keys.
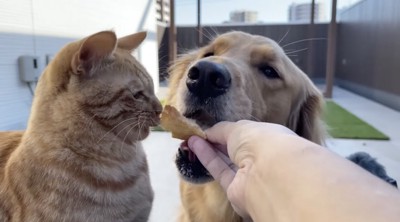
{"x": 155, "y": 121}
{"x": 149, "y": 119}
{"x": 141, "y": 129}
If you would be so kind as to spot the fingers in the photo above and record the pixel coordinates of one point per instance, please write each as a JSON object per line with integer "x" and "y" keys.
{"x": 227, "y": 160}
{"x": 223, "y": 149}
{"x": 218, "y": 168}
{"x": 221, "y": 131}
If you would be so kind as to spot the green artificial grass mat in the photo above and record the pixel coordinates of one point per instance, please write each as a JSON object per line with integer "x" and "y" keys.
{"x": 343, "y": 124}
{"x": 157, "y": 129}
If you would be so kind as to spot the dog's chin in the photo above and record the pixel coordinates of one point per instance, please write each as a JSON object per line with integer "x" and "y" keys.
{"x": 189, "y": 166}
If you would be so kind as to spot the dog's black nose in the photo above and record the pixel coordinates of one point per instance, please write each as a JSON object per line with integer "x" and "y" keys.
{"x": 208, "y": 79}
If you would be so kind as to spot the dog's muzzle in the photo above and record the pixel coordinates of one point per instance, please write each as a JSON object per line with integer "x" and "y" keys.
{"x": 208, "y": 80}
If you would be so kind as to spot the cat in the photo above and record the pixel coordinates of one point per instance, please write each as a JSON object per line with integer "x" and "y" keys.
{"x": 80, "y": 158}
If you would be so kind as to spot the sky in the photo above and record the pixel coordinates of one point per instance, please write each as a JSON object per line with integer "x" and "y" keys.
{"x": 217, "y": 11}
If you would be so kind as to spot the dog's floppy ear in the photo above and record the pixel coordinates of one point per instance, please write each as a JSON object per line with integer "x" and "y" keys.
{"x": 93, "y": 49}
{"x": 131, "y": 42}
{"x": 306, "y": 122}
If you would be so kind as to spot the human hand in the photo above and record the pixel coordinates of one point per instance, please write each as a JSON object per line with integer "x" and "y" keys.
{"x": 271, "y": 172}
{"x": 246, "y": 143}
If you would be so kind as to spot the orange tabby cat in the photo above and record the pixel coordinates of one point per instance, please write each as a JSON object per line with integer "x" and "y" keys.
{"x": 80, "y": 158}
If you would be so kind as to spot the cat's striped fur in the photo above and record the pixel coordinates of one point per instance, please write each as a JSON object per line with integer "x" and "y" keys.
{"x": 80, "y": 158}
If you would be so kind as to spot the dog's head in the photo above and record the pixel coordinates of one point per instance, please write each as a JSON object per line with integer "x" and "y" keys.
{"x": 241, "y": 76}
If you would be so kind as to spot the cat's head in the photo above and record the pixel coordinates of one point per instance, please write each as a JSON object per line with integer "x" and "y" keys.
{"x": 97, "y": 80}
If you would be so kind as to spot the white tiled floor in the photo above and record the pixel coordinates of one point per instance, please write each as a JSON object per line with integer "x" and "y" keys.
{"x": 161, "y": 149}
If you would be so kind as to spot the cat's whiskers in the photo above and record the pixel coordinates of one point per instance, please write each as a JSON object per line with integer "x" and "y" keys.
{"x": 127, "y": 126}
{"x": 81, "y": 145}
{"x": 90, "y": 123}
{"x": 140, "y": 126}
{"x": 133, "y": 125}
{"x": 115, "y": 127}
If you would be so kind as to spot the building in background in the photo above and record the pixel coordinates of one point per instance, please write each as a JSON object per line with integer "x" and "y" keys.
{"x": 162, "y": 11}
{"x": 243, "y": 17}
{"x": 40, "y": 28}
{"x": 302, "y": 12}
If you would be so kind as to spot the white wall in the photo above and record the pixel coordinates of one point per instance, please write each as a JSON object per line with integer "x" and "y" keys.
{"x": 42, "y": 27}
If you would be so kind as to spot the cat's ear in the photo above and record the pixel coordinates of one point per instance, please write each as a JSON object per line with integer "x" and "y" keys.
{"x": 93, "y": 49}
{"x": 131, "y": 42}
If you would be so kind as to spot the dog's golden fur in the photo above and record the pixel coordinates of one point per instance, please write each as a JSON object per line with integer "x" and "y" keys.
{"x": 291, "y": 100}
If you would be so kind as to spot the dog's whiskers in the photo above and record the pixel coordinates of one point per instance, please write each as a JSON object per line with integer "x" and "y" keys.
{"x": 208, "y": 35}
{"x": 284, "y": 36}
{"x": 246, "y": 117}
{"x": 255, "y": 106}
{"x": 216, "y": 33}
{"x": 162, "y": 57}
{"x": 303, "y": 40}
{"x": 294, "y": 51}
{"x": 255, "y": 118}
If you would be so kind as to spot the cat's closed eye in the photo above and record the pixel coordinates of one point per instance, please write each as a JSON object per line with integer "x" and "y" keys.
{"x": 138, "y": 95}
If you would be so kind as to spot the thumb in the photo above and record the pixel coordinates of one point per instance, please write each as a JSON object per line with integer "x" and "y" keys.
{"x": 216, "y": 166}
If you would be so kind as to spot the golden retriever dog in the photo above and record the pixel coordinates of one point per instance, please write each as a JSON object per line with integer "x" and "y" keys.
{"x": 241, "y": 76}
{"x": 237, "y": 76}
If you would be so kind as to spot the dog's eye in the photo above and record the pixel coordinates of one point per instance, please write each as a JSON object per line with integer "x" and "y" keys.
{"x": 208, "y": 54}
{"x": 269, "y": 72}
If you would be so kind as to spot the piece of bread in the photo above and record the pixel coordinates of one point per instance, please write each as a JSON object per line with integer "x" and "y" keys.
{"x": 180, "y": 126}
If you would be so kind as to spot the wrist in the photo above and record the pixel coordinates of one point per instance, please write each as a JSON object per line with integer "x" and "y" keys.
{"x": 269, "y": 179}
